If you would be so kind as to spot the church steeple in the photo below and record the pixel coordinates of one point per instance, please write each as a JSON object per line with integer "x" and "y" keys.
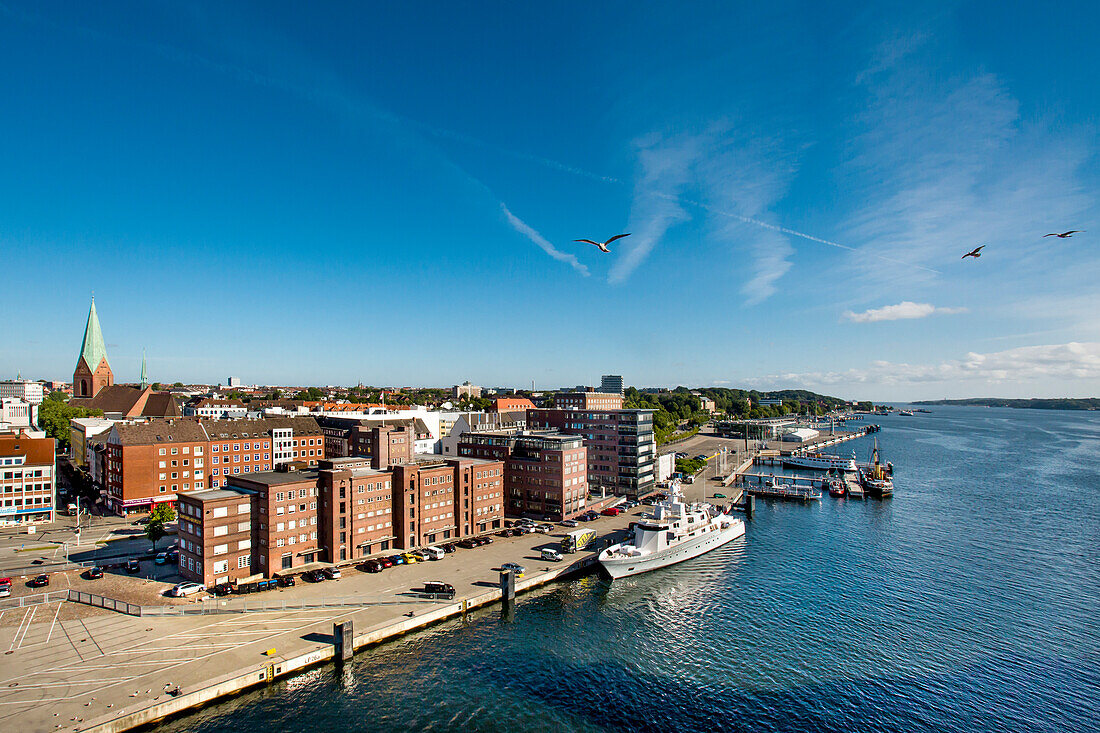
{"x": 93, "y": 350}
{"x": 144, "y": 377}
{"x": 93, "y": 372}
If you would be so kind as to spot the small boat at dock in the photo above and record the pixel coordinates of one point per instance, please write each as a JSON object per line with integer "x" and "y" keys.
{"x": 875, "y": 478}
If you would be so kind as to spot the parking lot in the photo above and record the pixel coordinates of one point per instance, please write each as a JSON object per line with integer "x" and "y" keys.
{"x": 70, "y": 663}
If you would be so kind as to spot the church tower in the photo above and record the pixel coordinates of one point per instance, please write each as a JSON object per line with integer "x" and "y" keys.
{"x": 92, "y": 372}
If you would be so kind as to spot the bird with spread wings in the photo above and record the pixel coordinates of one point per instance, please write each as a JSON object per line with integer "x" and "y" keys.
{"x": 603, "y": 245}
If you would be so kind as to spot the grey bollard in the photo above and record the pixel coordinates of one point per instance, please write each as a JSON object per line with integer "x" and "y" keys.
{"x": 507, "y": 586}
{"x": 344, "y": 640}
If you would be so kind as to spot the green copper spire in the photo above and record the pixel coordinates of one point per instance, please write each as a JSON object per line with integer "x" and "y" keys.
{"x": 93, "y": 350}
{"x": 144, "y": 378}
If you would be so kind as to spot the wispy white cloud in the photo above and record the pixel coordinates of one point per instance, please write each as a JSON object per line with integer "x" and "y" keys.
{"x": 904, "y": 310}
{"x": 664, "y": 167}
{"x": 734, "y": 179}
{"x": 1067, "y": 363}
{"x": 526, "y": 230}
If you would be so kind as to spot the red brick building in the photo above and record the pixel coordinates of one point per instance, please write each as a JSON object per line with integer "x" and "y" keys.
{"x": 216, "y": 536}
{"x": 285, "y": 518}
{"x": 155, "y": 461}
{"x": 441, "y": 499}
{"x": 545, "y": 474}
{"x": 356, "y": 509}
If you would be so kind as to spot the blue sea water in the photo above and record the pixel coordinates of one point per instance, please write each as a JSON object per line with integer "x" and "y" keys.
{"x": 967, "y": 602}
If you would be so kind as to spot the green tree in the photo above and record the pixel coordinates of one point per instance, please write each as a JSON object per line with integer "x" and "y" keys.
{"x": 177, "y": 384}
{"x": 54, "y": 415}
{"x": 156, "y": 386}
{"x": 161, "y": 515}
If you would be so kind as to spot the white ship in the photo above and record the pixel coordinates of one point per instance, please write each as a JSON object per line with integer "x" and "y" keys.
{"x": 822, "y": 462}
{"x": 678, "y": 532}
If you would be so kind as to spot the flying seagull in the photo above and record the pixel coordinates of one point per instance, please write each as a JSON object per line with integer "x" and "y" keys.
{"x": 1063, "y": 235}
{"x": 976, "y": 252}
{"x": 603, "y": 245}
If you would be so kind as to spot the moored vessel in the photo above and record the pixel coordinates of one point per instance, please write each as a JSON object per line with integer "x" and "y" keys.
{"x": 821, "y": 462}
{"x": 678, "y": 531}
{"x": 875, "y": 478}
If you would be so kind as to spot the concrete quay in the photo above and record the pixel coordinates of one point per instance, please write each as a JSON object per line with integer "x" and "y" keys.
{"x": 72, "y": 668}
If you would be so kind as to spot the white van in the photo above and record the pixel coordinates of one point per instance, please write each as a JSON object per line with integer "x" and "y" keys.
{"x": 549, "y": 553}
{"x": 434, "y": 553}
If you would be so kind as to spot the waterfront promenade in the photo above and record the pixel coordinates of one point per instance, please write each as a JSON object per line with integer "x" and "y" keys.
{"x": 70, "y": 667}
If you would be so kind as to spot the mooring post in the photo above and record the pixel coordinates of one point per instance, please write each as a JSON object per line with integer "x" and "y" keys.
{"x": 507, "y": 586}
{"x": 344, "y": 640}
{"x": 750, "y": 505}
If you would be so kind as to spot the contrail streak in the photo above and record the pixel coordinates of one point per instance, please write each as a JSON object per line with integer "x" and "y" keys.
{"x": 792, "y": 232}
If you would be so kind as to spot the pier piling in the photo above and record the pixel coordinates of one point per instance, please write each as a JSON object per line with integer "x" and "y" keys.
{"x": 343, "y": 636}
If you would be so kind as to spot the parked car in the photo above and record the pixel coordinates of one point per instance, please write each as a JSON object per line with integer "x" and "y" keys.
{"x": 94, "y": 573}
{"x": 439, "y": 588}
{"x": 331, "y": 573}
{"x": 448, "y": 547}
{"x": 545, "y": 528}
{"x": 504, "y": 533}
{"x": 485, "y": 540}
{"x": 549, "y": 553}
{"x": 133, "y": 566}
{"x": 701, "y": 457}
{"x": 611, "y": 511}
{"x": 385, "y": 562}
{"x": 719, "y": 496}
{"x": 469, "y": 543}
{"x": 173, "y": 556}
{"x": 39, "y": 581}
{"x": 434, "y": 553}
{"x": 5, "y": 583}
{"x": 411, "y": 557}
{"x": 5, "y": 591}
{"x": 371, "y": 566}
{"x": 313, "y": 576}
{"x": 143, "y": 520}
{"x": 570, "y": 523}
{"x": 515, "y": 567}
{"x": 162, "y": 558}
{"x": 181, "y": 590}
{"x": 285, "y": 581}
{"x": 681, "y": 455}
{"x": 397, "y": 559}
{"x": 222, "y": 589}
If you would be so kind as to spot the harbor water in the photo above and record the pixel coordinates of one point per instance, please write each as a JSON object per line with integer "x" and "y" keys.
{"x": 970, "y": 601}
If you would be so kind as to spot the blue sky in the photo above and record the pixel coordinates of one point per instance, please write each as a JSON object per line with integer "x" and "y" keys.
{"x": 327, "y": 194}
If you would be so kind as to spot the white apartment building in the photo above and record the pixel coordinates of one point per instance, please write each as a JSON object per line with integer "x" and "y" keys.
{"x": 22, "y": 389}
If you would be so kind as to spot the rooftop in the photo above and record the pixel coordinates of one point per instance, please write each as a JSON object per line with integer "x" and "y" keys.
{"x": 276, "y": 478}
{"x": 230, "y": 492}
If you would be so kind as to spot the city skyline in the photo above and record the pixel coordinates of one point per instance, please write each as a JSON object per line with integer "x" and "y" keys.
{"x": 296, "y": 198}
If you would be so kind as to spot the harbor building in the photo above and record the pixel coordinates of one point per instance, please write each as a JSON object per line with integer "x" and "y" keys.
{"x": 154, "y": 461}
{"x": 216, "y": 536}
{"x": 356, "y": 515}
{"x": 27, "y": 487}
{"x": 620, "y": 443}
{"x": 284, "y": 517}
{"x": 588, "y": 399}
{"x": 545, "y": 473}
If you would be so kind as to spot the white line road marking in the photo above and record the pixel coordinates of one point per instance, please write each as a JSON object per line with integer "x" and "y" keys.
{"x": 25, "y": 629}
{"x": 58, "y": 613}
{"x": 163, "y": 669}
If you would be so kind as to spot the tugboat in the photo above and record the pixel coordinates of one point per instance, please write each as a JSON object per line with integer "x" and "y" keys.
{"x": 875, "y": 478}
{"x": 677, "y": 532}
{"x": 835, "y": 485}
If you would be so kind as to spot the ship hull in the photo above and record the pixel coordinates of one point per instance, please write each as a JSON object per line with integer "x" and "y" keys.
{"x": 820, "y": 464}
{"x": 622, "y": 567}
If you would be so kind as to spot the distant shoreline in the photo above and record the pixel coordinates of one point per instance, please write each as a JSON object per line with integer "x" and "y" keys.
{"x": 1060, "y": 403}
